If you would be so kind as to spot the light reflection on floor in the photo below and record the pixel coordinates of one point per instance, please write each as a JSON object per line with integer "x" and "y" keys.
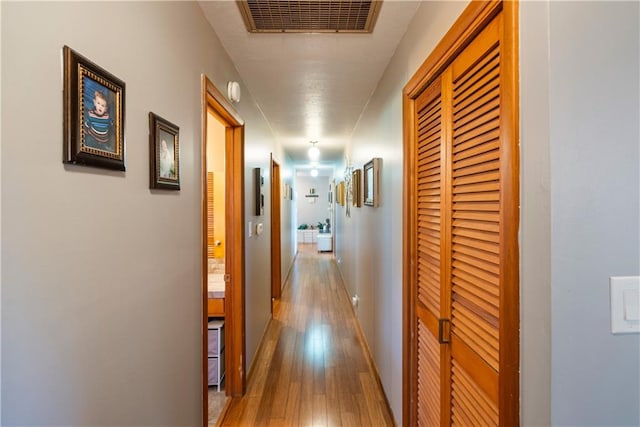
{"x": 317, "y": 344}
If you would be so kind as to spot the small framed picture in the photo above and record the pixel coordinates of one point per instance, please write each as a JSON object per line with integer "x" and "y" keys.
{"x": 356, "y": 182}
{"x": 164, "y": 153}
{"x": 93, "y": 108}
{"x": 371, "y": 182}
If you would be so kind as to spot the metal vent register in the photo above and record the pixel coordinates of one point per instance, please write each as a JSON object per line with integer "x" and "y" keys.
{"x": 314, "y": 16}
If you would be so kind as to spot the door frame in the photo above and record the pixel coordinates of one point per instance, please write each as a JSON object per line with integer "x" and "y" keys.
{"x": 472, "y": 20}
{"x": 276, "y": 232}
{"x": 235, "y": 380}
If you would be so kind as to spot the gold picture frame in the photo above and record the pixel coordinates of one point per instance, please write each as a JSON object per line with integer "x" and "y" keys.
{"x": 356, "y": 182}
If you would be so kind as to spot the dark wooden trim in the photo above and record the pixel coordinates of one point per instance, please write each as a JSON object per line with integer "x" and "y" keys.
{"x": 276, "y": 243}
{"x": 204, "y": 258}
{"x": 235, "y": 379}
{"x": 409, "y": 337}
{"x": 509, "y": 403}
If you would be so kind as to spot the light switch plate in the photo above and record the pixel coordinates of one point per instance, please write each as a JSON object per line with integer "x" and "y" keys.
{"x": 625, "y": 302}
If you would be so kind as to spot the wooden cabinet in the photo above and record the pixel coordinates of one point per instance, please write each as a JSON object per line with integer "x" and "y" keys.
{"x": 215, "y": 352}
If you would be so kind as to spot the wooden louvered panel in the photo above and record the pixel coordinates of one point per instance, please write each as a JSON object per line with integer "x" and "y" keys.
{"x": 477, "y": 328}
{"x": 472, "y": 141}
{"x": 429, "y": 201}
{"x": 428, "y": 377}
{"x": 462, "y": 222}
{"x": 219, "y": 224}
{"x": 470, "y": 405}
{"x": 210, "y": 217}
{"x": 475, "y": 310}
{"x": 484, "y": 167}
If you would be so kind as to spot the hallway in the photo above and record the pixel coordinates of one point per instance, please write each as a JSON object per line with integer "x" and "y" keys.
{"x": 312, "y": 368}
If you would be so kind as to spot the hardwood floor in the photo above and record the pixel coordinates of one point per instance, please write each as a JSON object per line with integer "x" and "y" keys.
{"x": 312, "y": 368}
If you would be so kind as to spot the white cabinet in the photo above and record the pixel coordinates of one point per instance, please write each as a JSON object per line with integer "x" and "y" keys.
{"x": 307, "y": 236}
{"x": 215, "y": 337}
{"x": 311, "y": 236}
{"x": 325, "y": 242}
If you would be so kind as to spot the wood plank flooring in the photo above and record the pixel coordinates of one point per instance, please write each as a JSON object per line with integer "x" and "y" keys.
{"x": 312, "y": 368}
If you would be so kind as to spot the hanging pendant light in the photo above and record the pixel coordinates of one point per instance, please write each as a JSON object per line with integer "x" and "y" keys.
{"x": 314, "y": 152}
{"x": 314, "y": 172}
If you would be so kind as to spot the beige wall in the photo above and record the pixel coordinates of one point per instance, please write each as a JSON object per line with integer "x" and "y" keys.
{"x": 535, "y": 224}
{"x": 0, "y": 217}
{"x": 101, "y": 296}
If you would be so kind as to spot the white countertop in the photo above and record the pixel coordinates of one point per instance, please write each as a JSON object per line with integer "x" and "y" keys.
{"x": 216, "y": 285}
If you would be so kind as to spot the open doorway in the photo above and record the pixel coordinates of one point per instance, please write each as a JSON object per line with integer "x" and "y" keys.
{"x": 223, "y": 348}
{"x": 314, "y": 210}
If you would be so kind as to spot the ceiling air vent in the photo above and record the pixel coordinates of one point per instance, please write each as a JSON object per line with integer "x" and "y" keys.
{"x": 313, "y": 16}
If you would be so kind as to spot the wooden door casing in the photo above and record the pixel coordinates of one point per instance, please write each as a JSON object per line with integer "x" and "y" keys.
{"x": 276, "y": 248}
{"x": 235, "y": 380}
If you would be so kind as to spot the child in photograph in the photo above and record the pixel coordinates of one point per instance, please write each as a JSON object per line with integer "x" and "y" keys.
{"x": 98, "y": 123}
{"x": 167, "y": 169}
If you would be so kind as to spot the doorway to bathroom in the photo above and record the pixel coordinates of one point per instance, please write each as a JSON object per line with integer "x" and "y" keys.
{"x": 223, "y": 366}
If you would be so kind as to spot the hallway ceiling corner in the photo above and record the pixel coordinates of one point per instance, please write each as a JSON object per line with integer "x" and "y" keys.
{"x": 311, "y": 86}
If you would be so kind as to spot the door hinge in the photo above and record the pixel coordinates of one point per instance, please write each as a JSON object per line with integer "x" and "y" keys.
{"x": 444, "y": 331}
{"x": 227, "y": 277}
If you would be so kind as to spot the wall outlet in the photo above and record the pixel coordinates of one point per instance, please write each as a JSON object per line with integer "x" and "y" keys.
{"x": 354, "y": 301}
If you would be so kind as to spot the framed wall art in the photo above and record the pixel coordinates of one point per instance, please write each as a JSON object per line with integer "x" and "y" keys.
{"x": 340, "y": 193}
{"x": 258, "y": 183}
{"x": 93, "y": 109}
{"x": 371, "y": 182}
{"x": 164, "y": 153}
{"x": 356, "y": 182}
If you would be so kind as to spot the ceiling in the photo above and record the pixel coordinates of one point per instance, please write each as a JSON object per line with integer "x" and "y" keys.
{"x": 311, "y": 87}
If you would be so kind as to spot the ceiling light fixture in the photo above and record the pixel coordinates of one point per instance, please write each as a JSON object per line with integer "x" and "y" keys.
{"x": 314, "y": 152}
{"x": 314, "y": 172}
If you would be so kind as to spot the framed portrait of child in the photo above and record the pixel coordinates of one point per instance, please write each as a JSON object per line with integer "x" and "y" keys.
{"x": 93, "y": 114}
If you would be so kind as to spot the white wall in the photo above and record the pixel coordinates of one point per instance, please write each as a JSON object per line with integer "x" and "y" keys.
{"x": 97, "y": 326}
{"x": 311, "y": 213}
{"x": 369, "y": 244}
{"x": 595, "y": 186}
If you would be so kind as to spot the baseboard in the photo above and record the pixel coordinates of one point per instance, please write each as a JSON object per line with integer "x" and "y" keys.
{"x": 286, "y": 278}
{"x": 365, "y": 346}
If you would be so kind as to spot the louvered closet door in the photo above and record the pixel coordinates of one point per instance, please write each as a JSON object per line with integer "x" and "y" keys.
{"x": 475, "y": 252}
{"x": 460, "y": 260}
{"x": 429, "y": 171}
